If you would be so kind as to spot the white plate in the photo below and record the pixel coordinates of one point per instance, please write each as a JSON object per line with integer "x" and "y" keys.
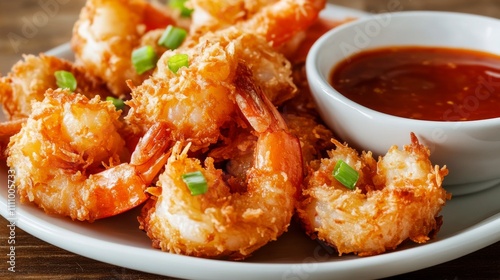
{"x": 471, "y": 222}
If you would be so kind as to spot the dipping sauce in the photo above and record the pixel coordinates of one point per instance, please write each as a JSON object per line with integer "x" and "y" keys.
{"x": 425, "y": 83}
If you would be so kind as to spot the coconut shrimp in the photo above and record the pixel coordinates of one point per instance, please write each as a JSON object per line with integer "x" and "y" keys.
{"x": 397, "y": 198}
{"x": 278, "y": 21}
{"x": 70, "y": 158}
{"x": 32, "y": 76}
{"x": 198, "y": 100}
{"x": 235, "y": 152}
{"x": 107, "y": 32}
{"x": 221, "y": 223}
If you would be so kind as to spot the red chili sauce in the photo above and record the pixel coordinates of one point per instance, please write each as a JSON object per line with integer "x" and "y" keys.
{"x": 425, "y": 83}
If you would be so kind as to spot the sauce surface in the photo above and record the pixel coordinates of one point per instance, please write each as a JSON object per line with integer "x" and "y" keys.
{"x": 425, "y": 83}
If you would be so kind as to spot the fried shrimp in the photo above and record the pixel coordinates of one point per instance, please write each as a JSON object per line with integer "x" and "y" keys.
{"x": 70, "y": 158}
{"x": 198, "y": 100}
{"x": 277, "y": 21}
{"x": 395, "y": 199}
{"x": 7, "y": 130}
{"x": 314, "y": 137}
{"x": 107, "y": 32}
{"x": 303, "y": 120}
{"x": 31, "y": 77}
{"x": 221, "y": 223}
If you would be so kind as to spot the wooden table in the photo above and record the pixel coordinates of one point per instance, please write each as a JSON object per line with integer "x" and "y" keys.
{"x": 43, "y": 27}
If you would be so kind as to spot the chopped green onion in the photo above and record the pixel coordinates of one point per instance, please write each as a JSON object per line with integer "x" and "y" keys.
{"x": 180, "y": 5}
{"x": 172, "y": 37}
{"x": 177, "y": 61}
{"x": 144, "y": 59}
{"x": 196, "y": 182}
{"x": 345, "y": 174}
{"x": 65, "y": 79}
{"x": 119, "y": 104}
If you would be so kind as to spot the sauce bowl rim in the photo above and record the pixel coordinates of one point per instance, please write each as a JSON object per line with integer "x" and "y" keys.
{"x": 321, "y": 43}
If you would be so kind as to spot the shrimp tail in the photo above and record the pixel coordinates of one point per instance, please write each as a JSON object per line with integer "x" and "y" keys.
{"x": 265, "y": 119}
{"x": 147, "y": 160}
{"x": 155, "y": 142}
{"x": 254, "y": 104}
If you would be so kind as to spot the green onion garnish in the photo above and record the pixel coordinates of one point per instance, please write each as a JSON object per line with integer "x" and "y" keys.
{"x": 172, "y": 37}
{"x": 180, "y": 5}
{"x": 65, "y": 79}
{"x": 177, "y": 61}
{"x": 345, "y": 174}
{"x": 196, "y": 182}
{"x": 144, "y": 59}
{"x": 119, "y": 104}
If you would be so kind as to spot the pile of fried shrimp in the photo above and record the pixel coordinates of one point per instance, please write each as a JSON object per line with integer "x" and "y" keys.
{"x": 215, "y": 136}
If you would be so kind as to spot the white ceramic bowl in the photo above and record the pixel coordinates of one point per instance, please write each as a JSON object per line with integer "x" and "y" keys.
{"x": 470, "y": 149}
